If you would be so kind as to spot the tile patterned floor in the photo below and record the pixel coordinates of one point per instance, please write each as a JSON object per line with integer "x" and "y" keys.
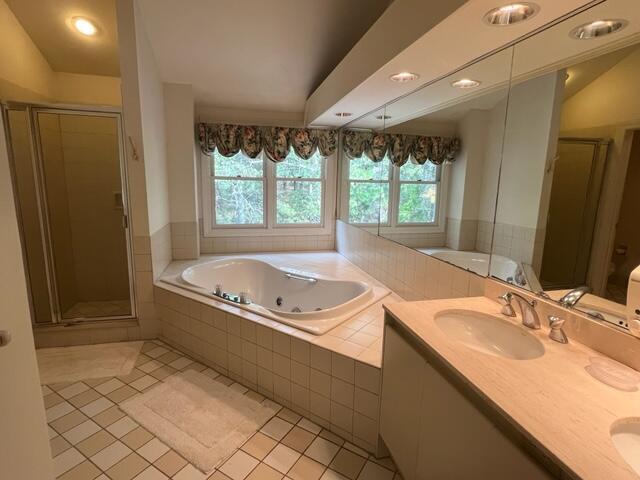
{"x": 92, "y": 439}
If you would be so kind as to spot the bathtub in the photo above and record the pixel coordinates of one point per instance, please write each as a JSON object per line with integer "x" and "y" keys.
{"x": 304, "y": 300}
{"x": 478, "y": 262}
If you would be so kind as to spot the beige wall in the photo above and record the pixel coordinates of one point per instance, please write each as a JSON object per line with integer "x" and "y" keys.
{"x": 24, "y": 445}
{"x": 25, "y": 75}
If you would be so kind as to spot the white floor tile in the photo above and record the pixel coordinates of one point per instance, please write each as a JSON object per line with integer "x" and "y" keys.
{"x": 322, "y": 450}
{"x": 282, "y": 458}
{"x": 331, "y": 475}
{"x": 156, "y": 352}
{"x": 73, "y": 390}
{"x": 189, "y": 472}
{"x": 82, "y": 431}
{"x": 150, "y": 366}
{"x": 66, "y": 461}
{"x": 373, "y": 471}
{"x": 108, "y": 387}
{"x": 151, "y": 473}
{"x": 59, "y": 410}
{"x": 153, "y": 450}
{"x": 111, "y": 455}
{"x": 143, "y": 382}
{"x": 276, "y": 428}
{"x": 180, "y": 363}
{"x": 97, "y": 406}
{"x": 52, "y": 432}
{"x": 123, "y": 426}
{"x": 239, "y": 465}
{"x": 46, "y": 390}
{"x": 309, "y": 426}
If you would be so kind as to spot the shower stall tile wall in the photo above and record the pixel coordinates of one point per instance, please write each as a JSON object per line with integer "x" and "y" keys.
{"x": 340, "y": 393}
{"x": 409, "y": 273}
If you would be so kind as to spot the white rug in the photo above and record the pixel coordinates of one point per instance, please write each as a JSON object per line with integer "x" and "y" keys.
{"x": 203, "y": 420}
{"x": 70, "y": 364}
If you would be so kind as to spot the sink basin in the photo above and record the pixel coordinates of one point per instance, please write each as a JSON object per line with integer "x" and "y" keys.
{"x": 625, "y": 435}
{"x": 489, "y": 334}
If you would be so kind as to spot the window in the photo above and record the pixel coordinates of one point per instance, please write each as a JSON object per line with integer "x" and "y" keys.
{"x": 238, "y": 186}
{"x": 393, "y": 196}
{"x": 369, "y": 190}
{"x": 299, "y": 188}
{"x": 241, "y": 194}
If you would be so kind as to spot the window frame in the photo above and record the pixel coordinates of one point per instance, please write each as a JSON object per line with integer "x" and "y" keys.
{"x": 393, "y": 225}
{"x": 270, "y": 227}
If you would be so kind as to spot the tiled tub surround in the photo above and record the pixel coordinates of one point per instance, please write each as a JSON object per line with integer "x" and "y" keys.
{"x": 334, "y": 379}
{"x": 92, "y": 438}
{"x": 258, "y": 243}
{"x": 407, "y": 272}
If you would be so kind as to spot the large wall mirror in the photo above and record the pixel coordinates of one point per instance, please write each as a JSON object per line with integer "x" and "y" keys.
{"x": 423, "y": 170}
{"x": 567, "y": 213}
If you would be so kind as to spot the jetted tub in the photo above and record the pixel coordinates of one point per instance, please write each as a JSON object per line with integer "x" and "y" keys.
{"x": 303, "y": 300}
{"x": 478, "y": 262}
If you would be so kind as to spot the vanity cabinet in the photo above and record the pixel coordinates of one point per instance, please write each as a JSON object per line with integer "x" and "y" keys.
{"x": 433, "y": 430}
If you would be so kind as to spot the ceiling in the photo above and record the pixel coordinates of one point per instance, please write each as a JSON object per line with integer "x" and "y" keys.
{"x": 254, "y": 54}
{"x": 66, "y": 50}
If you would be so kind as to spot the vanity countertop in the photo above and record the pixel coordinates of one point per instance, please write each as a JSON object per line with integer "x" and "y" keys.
{"x": 551, "y": 399}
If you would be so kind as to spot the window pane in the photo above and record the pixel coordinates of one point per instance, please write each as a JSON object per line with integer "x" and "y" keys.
{"x": 237, "y": 166}
{"x": 412, "y": 172}
{"x": 364, "y": 169}
{"x": 368, "y": 202}
{"x": 295, "y": 167}
{"x": 239, "y": 202}
{"x": 417, "y": 203}
{"x": 298, "y": 202}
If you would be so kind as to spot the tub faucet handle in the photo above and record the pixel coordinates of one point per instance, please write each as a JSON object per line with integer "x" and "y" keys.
{"x": 507, "y": 308}
{"x": 218, "y": 290}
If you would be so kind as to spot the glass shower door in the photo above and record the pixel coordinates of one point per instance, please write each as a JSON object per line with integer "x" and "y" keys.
{"x": 81, "y": 180}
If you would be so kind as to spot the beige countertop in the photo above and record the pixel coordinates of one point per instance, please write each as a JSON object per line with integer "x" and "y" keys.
{"x": 551, "y": 400}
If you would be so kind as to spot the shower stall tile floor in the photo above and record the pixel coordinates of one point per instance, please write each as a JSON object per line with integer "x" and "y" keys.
{"x": 103, "y": 443}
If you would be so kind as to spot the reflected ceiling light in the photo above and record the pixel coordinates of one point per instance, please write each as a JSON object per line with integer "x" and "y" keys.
{"x": 598, "y": 28}
{"x": 404, "y": 77}
{"x": 84, "y": 26}
{"x": 465, "y": 83}
{"x": 383, "y": 117}
{"x": 511, "y": 13}
{"x": 342, "y": 114}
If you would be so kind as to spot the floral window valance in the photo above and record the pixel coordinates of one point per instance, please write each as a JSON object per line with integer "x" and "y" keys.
{"x": 275, "y": 141}
{"x": 376, "y": 145}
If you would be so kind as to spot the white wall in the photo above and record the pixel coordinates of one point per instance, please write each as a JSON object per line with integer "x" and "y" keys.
{"x": 529, "y": 144}
{"x": 24, "y": 444}
{"x": 181, "y": 152}
{"x": 25, "y": 75}
{"x": 153, "y": 129}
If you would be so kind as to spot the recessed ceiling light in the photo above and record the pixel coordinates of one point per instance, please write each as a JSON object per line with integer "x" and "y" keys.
{"x": 404, "y": 77}
{"x": 84, "y": 26}
{"x": 511, "y": 13}
{"x": 598, "y": 28}
{"x": 465, "y": 83}
{"x": 383, "y": 117}
{"x": 342, "y": 114}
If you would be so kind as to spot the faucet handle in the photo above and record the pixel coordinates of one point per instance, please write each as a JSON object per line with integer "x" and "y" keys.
{"x": 557, "y": 333}
{"x": 507, "y": 308}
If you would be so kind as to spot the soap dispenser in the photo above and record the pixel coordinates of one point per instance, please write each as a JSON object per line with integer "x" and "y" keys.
{"x": 633, "y": 302}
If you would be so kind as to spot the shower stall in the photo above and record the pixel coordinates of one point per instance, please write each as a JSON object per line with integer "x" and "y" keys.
{"x": 70, "y": 184}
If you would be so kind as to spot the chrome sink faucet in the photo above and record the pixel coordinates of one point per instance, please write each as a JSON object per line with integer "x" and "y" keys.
{"x": 530, "y": 318}
{"x": 572, "y": 298}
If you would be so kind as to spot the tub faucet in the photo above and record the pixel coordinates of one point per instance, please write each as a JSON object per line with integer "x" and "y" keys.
{"x": 530, "y": 318}
{"x": 572, "y": 298}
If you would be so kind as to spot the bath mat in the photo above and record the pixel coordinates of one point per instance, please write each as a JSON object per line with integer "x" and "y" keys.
{"x": 70, "y": 364}
{"x": 203, "y": 420}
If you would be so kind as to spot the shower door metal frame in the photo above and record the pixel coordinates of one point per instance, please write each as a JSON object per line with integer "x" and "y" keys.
{"x": 31, "y": 111}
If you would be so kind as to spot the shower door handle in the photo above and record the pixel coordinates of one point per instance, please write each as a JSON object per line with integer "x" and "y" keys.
{"x": 125, "y": 221}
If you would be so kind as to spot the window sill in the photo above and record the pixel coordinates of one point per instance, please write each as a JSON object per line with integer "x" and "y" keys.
{"x": 268, "y": 232}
